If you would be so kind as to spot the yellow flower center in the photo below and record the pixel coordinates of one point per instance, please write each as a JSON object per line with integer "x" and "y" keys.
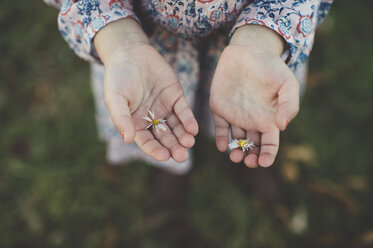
{"x": 155, "y": 122}
{"x": 242, "y": 143}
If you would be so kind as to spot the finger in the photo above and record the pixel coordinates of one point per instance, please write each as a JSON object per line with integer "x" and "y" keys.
{"x": 251, "y": 158}
{"x": 269, "y": 148}
{"x": 150, "y": 146}
{"x": 168, "y": 140}
{"x": 185, "y": 115}
{"x": 288, "y": 103}
{"x": 185, "y": 139}
{"x": 121, "y": 115}
{"x": 237, "y": 155}
{"x": 221, "y": 133}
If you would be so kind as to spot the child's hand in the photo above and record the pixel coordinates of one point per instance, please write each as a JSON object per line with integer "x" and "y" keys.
{"x": 254, "y": 93}
{"x": 138, "y": 79}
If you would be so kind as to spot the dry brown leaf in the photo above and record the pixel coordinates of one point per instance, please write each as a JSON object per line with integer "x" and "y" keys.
{"x": 290, "y": 171}
{"x": 327, "y": 239}
{"x": 110, "y": 175}
{"x": 314, "y": 79}
{"x": 283, "y": 214}
{"x": 367, "y": 238}
{"x": 111, "y": 236}
{"x": 301, "y": 153}
{"x": 334, "y": 192}
{"x": 358, "y": 183}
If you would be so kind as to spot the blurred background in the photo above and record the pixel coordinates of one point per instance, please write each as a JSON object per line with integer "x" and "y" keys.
{"x": 57, "y": 191}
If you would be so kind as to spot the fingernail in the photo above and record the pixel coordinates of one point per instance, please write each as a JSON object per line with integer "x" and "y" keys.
{"x": 286, "y": 122}
{"x": 122, "y": 135}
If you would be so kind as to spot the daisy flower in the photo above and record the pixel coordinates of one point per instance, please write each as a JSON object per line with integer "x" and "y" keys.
{"x": 154, "y": 122}
{"x": 244, "y": 144}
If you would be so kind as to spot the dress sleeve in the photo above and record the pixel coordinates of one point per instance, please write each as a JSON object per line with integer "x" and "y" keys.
{"x": 80, "y": 20}
{"x": 294, "y": 20}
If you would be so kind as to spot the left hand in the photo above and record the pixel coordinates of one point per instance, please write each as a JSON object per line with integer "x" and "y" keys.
{"x": 254, "y": 94}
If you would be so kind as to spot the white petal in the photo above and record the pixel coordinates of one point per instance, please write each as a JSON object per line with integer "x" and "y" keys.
{"x": 148, "y": 126}
{"x": 151, "y": 114}
{"x": 233, "y": 144}
{"x": 162, "y": 127}
{"x": 251, "y": 145}
{"x": 162, "y": 120}
{"x": 147, "y": 118}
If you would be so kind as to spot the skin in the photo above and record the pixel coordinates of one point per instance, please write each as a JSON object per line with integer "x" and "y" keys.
{"x": 253, "y": 93}
{"x": 149, "y": 84}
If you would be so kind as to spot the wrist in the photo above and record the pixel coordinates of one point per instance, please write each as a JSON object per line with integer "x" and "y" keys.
{"x": 118, "y": 38}
{"x": 259, "y": 37}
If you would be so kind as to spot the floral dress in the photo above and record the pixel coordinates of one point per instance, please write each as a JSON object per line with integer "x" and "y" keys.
{"x": 191, "y": 35}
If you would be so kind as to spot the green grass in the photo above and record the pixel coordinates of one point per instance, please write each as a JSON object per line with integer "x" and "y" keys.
{"x": 56, "y": 190}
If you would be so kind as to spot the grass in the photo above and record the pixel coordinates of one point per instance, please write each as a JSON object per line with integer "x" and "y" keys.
{"x": 56, "y": 190}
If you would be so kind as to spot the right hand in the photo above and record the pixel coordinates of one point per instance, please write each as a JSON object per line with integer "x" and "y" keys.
{"x": 138, "y": 79}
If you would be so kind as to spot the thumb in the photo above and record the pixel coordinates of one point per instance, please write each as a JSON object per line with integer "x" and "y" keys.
{"x": 121, "y": 115}
{"x": 288, "y": 103}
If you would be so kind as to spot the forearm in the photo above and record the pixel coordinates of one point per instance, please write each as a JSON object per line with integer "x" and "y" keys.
{"x": 118, "y": 37}
{"x": 259, "y": 37}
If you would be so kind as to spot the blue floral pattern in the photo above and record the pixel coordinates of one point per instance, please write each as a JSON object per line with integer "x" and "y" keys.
{"x": 80, "y": 20}
{"x": 87, "y": 6}
{"x": 295, "y": 20}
